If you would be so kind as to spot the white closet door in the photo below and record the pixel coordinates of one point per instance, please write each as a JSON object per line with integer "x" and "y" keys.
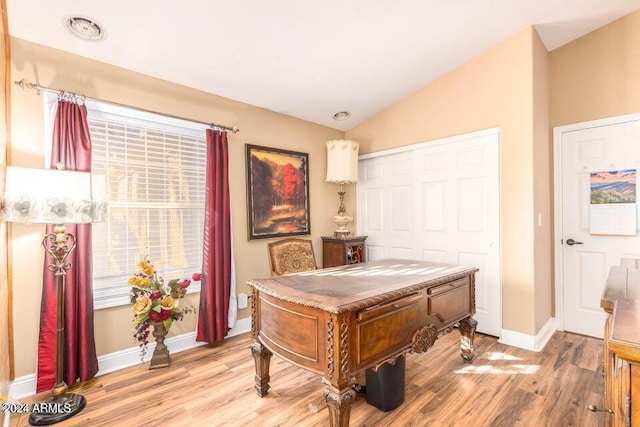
{"x": 385, "y": 204}
{"x": 438, "y": 201}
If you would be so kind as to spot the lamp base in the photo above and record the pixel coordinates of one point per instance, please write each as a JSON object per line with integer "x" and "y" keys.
{"x": 341, "y": 220}
{"x": 341, "y": 234}
{"x": 56, "y": 409}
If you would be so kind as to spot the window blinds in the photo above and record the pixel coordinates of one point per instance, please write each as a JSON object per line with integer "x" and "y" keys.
{"x": 155, "y": 169}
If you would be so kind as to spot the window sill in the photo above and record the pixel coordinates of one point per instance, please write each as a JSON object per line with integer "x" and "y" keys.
{"x": 117, "y": 297}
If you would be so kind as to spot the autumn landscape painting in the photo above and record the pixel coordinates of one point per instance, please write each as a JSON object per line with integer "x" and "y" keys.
{"x": 613, "y": 187}
{"x": 278, "y": 192}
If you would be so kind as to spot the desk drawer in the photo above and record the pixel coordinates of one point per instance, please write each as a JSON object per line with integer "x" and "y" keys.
{"x": 384, "y": 308}
{"x": 386, "y": 328}
{"x": 448, "y": 286}
{"x": 450, "y": 302}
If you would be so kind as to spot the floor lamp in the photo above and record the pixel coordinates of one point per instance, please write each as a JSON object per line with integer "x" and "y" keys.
{"x": 55, "y": 196}
{"x": 342, "y": 168}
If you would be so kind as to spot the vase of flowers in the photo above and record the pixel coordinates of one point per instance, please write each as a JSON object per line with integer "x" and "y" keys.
{"x": 156, "y": 303}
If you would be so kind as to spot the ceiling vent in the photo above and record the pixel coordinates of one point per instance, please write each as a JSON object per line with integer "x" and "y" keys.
{"x": 84, "y": 28}
{"x": 341, "y": 115}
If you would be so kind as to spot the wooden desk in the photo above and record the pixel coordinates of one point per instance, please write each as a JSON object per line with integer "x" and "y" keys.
{"x": 623, "y": 283}
{"x": 621, "y": 300}
{"x": 340, "y": 321}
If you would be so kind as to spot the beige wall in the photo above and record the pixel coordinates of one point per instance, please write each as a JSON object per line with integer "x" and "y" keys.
{"x": 495, "y": 89}
{"x": 5, "y": 301}
{"x": 595, "y": 76}
{"x": 526, "y": 91}
{"x": 598, "y": 75}
{"x": 542, "y": 187}
{"x": 51, "y": 68}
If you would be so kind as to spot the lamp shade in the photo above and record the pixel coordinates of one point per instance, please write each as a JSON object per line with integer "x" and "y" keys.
{"x": 51, "y": 196}
{"x": 342, "y": 161}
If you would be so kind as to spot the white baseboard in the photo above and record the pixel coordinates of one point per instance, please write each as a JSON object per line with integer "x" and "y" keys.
{"x": 25, "y": 386}
{"x": 530, "y": 342}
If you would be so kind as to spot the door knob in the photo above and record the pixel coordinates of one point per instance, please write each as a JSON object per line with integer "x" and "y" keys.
{"x": 572, "y": 242}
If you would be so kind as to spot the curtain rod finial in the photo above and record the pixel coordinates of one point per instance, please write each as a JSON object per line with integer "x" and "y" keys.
{"x": 214, "y": 126}
{"x": 26, "y": 84}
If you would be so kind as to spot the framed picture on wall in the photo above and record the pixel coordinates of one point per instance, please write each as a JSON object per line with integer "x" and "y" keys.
{"x": 277, "y": 192}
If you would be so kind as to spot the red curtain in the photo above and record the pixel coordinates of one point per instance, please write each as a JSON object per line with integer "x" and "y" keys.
{"x": 216, "y": 263}
{"x": 71, "y": 147}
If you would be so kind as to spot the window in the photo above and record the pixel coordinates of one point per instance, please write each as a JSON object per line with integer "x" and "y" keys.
{"x": 155, "y": 172}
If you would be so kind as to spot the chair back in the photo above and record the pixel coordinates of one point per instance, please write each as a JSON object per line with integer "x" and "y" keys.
{"x": 291, "y": 255}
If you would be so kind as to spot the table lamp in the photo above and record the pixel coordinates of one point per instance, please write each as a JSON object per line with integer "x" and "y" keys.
{"x": 55, "y": 196}
{"x": 342, "y": 168}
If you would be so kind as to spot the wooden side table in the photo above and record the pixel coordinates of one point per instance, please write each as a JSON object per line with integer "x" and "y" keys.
{"x": 621, "y": 301}
{"x": 337, "y": 251}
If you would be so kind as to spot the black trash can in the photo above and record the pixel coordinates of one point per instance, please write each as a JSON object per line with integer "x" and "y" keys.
{"x": 385, "y": 387}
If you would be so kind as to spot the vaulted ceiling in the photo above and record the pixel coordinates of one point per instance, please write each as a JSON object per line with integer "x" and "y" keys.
{"x": 307, "y": 59}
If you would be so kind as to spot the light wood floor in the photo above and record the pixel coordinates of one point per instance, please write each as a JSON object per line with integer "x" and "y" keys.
{"x": 213, "y": 386}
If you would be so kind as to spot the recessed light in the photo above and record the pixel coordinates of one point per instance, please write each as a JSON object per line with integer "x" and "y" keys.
{"x": 84, "y": 28}
{"x": 341, "y": 115}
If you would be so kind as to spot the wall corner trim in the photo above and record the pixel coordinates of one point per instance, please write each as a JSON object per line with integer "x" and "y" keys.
{"x": 530, "y": 342}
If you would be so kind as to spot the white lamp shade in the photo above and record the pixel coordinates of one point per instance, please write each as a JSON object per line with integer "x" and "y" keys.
{"x": 342, "y": 161}
{"x": 50, "y": 196}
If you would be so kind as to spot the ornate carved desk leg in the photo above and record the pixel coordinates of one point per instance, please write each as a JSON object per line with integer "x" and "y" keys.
{"x": 338, "y": 380}
{"x": 262, "y": 359}
{"x": 339, "y": 404}
{"x": 467, "y": 332}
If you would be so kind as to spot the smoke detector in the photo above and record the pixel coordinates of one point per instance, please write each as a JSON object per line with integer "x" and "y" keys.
{"x": 84, "y": 28}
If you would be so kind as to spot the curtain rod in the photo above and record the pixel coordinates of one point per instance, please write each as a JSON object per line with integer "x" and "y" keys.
{"x": 26, "y": 84}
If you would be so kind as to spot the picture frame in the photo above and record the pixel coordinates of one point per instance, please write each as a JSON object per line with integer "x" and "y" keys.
{"x": 277, "y": 192}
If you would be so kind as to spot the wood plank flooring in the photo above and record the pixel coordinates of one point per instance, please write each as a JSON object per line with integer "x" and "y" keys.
{"x": 213, "y": 386}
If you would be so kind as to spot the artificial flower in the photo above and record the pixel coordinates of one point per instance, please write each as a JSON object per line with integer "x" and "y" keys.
{"x": 168, "y": 303}
{"x": 160, "y": 316}
{"x": 146, "y": 268}
{"x": 154, "y": 301}
{"x": 142, "y": 304}
{"x": 139, "y": 281}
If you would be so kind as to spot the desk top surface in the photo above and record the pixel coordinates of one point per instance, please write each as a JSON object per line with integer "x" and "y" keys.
{"x": 621, "y": 299}
{"x": 623, "y": 283}
{"x": 344, "y": 288}
{"x": 625, "y": 335}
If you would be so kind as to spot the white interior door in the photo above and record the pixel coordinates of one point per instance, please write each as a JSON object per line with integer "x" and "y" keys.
{"x": 612, "y": 144}
{"x": 438, "y": 201}
{"x": 385, "y": 205}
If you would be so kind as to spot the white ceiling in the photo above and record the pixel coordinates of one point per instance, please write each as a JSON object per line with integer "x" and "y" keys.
{"x": 307, "y": 59}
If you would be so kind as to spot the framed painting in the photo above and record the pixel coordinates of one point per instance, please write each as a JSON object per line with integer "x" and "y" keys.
{"x": 277, "y": 192}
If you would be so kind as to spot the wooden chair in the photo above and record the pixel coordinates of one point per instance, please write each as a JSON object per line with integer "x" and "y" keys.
{"x": 291, "y": 255}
